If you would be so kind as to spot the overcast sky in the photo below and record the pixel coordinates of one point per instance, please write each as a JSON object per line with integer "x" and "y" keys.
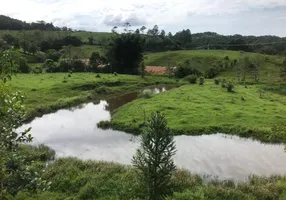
{"x": 246, "y": 17}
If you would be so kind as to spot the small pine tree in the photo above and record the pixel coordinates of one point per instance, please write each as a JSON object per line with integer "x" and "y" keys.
{"x": 154, "y": 157}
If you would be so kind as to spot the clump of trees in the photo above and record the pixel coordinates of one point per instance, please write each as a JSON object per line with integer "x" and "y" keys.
{"x": 184, "y": 69}
{"x": 124, "y": 51}
{"x": 249, "y": 67}
{"x": 74, "y": 65}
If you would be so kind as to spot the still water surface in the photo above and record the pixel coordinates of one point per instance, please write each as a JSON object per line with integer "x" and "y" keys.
{"x": 73, "y": 132}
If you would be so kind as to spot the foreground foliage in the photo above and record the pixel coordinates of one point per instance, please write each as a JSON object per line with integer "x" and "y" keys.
{"x": 73, "y": 179}
{"x": 16, "y": 171}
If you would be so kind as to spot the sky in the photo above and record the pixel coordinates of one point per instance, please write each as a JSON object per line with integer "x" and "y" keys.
{"x": 245, "y": 17}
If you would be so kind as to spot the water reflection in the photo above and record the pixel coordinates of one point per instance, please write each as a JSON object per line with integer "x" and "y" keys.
{"x": 119, "y": 100}
{"x": 74, "y": 133}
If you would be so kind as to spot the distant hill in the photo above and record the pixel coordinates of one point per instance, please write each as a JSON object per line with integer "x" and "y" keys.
{"x": 8, "y": 23}
{"x": 156, "y": 40}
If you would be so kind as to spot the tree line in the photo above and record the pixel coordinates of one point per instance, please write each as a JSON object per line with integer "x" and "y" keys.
{"x": 158, "y": 40}
{"x": 8, "y": 23}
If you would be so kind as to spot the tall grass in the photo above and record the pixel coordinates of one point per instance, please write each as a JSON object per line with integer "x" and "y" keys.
{"x": 87, "y": 180}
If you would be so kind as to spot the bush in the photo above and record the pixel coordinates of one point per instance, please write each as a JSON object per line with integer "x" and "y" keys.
{"x": 226, "y": 58}
{"x": 78, "y": 66}
{"x": 65, "y": 66}
{"x": 191, "y": 79}
{"x": 229, "y": 86}
{"x": 23, "y": 66}
{"x": 104, "y": 125}
{"x": 37, "y": 69}
{"x": 53, "y": 55}
{"x": 201, "y": 80}
{"x": 41, "y": 56}
{"x": 212, "y": 71}
{"x": 51, "y": 66}
{"x": 217, "y": 81}
{"x": 185, "y": 69}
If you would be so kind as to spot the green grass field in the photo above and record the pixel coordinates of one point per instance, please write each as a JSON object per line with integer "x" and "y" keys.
{"x": 204, "y": 59}
{"x": 49, "y": 92}
{"x": 83, "y": 35}
{"x": 171, "y": 58}
{"x": 195, "y": 109}
{"x": 85, "y": 51}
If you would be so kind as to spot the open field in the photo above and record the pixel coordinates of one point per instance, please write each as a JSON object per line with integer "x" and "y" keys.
{"x": 49, "y": 92}
{"x": 204, "y": 59}
{"x": 195, "y": 109}
{"x": 85, "y": 51}
{"x": 83, "y": 35}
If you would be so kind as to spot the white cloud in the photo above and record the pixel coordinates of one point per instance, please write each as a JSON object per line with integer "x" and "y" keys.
{"x": 223, "y": 16}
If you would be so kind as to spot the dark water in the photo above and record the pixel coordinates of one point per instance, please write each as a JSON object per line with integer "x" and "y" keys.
{"x": 74, "y": 133}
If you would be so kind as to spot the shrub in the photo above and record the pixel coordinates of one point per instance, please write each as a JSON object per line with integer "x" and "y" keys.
{"x": 104, "y": 125}
{"x": 51, "y": 66}
{"x": 23, "y": 66}
{"x": 65, "y": 66}
{"x": 191, "y": 79}
{"x": 53, "y": 55}
{"x": 229, "y": 86}
{"x": 212, "y": 71}
{"x": 201, "y": 80}
{"x": 185, "y": 69}
{"x": 78, "y": 66}
{"x": 226, "y": 58}
{"x": 217, "y": 81}
{"x": 37, "y": 69}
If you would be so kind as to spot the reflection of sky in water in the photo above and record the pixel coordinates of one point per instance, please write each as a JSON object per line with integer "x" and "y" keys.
{"x": 74, "y": 133}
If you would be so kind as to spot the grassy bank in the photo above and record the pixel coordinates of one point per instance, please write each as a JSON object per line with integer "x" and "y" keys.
{"x": 195, "y": 109}
{"x": 50, "y": 92}
{"x": 74, "y": 179}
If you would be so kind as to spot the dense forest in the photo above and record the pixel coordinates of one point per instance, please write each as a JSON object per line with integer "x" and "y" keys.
{"x": 8, "y": 23}
{"x": 158, "y": 40}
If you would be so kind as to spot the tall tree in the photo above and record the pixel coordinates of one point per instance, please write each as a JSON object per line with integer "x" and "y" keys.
{"x": 142, "y": 29}
{"x": 154, "y": 157}
{"x": 125, "y": 52}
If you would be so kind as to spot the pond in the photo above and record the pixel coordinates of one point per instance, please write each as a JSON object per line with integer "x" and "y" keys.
{"x": 74, "y": 132}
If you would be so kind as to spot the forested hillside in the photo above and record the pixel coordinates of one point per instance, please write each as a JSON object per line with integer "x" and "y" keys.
{"x": 8, "y": 23}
